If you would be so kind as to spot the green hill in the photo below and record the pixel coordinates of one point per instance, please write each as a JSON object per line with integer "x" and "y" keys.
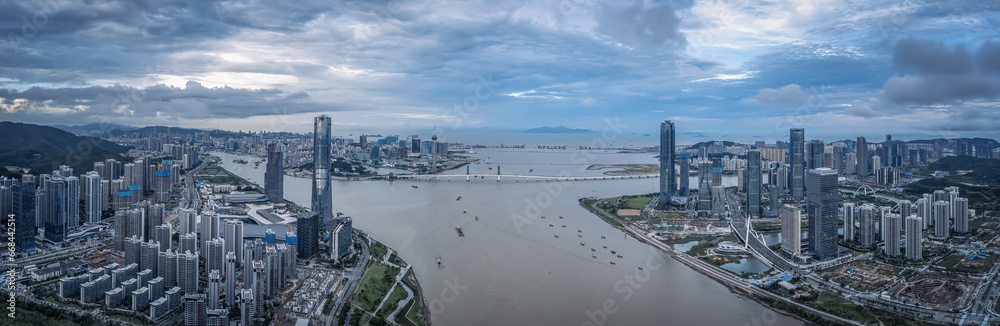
{"x": 983, "y": 172}
{"x": 43, "y": 149}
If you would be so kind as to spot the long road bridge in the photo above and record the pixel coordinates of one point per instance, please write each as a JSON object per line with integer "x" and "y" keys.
{"x": 517, "y": 177}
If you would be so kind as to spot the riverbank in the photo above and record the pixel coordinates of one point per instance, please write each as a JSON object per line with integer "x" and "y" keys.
{"x": 781, "y": 305}
{"x": 388, "y": 291}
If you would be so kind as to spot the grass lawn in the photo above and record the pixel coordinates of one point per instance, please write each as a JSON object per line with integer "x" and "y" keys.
{"x": 222, "y": 180}
{"x": 636, "y": 202}
{"x": 390, "y": 304}
{"x": 674, "y": 241}
{"x": 365, "y": 318}
{"x": 374, "y": 286}
{"x": 378, "y": 250}
{"x": 587, "y": 202}
{"x": 842, "y": 307}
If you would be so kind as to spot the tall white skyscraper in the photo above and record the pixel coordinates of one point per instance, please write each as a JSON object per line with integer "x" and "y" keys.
{"x": 961, "y": 215}
{"x": 942, "y": 212}
{"x": 893, "y": 230}
{"x": 914, "y": 238}
{"x": 850, "y": 217}
{"x": 234, "y": 237}
{"x": 92, "y": 197}
{"x": 866, "y": 234}
{"x": 73, "y": 200}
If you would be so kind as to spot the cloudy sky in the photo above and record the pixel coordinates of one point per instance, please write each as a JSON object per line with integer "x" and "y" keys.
{"x": 738, "y": 69}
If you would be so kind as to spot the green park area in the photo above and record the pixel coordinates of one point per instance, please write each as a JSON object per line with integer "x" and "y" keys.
{"x": 30, "y": 313}
{"x": 390, "y": 304}
{"x": 218, "y": 175}
{"x": 374, "y": 286}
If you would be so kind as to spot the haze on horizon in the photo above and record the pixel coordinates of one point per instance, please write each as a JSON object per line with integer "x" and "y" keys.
{"x": 720, "y": 69}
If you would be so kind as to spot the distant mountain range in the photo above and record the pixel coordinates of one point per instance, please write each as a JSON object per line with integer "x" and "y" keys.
{"x": 94, "y": 127}
{"x": 557, "y": 130}
{"x": 43, "y": 149}
{"x": 711, "y": 142}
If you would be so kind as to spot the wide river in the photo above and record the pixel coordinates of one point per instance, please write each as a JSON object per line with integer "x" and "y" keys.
{"x": 510, "y": 268}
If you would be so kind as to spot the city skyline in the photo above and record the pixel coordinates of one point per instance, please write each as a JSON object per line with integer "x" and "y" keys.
{"x": 840, "y": 68}
{"x": 414, "y": 162}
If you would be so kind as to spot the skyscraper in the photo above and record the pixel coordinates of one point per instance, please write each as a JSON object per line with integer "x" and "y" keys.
{"x": 961, "y": 215}
{"x": 188, "y": 221}
{"x": 797, "y": 138}
{"x": 187, "y": 272}
{"x": 214, "y": 280}
{"x": 234, "y": 237}
{"x": 893, "y": 230}
{"x": 849, "y": 219}
{"x": 815, "y": 148}
{"x": 163, "y": 234}
{"x": 322, "y": 196}
{"x": 914, "y": 238}
{"x": 941, "y": 216}
{"x": 791, "y": 230}
{"x": 308, "y": 234}
{"x": 863, "y": 159}
{"x": 194, "y": 309}
{"x": 821, "y": 206}
{"x": 753, "y": 183}
{"x": 704, "y": 187}
{"x": 73, "y": 201}
{"x": 230, "y": 279}
{"x": 57, "y": 212}
{"x": 92, "y": 197}
{"x": 154, "y": 218}
{"x": 24, "y": 232}
{"x": 274, "y": 177}
{"x": 668, "y": 186}
{"x": 685, "y": 164}
{"x": 209, "y": 231}
{"x": 247, "y": 306}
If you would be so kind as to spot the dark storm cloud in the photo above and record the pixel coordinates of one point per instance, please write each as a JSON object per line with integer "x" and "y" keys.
{"x": 934, "y": 73}
{"x": 194, "y": 101}
{"x": 68, "y": 41}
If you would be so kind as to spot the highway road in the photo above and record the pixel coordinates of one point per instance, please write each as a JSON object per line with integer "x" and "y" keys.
{"x": 353, "y": 277}
{"x": 190, "y": 193}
